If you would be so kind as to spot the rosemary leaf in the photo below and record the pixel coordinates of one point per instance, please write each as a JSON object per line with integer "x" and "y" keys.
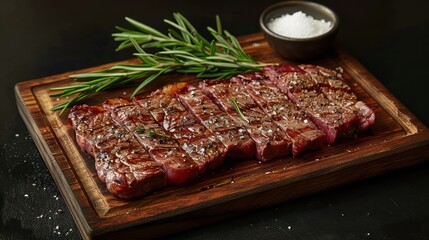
{"x": 145, "y": 82}
{"x": 140, "y": 129}
{"x": 238, "y": 110}
{"x": 145, "y": 28}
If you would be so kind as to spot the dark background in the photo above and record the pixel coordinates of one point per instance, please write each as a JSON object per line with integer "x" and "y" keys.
{"x": 41, "y": 38}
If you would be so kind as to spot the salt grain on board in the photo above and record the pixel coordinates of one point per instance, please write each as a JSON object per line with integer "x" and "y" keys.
{"x": 299, "y": 25}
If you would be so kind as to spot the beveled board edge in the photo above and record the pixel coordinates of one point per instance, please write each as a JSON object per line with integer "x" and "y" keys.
{"x": 383, "y": 96}
{"x": 33, "y": 119}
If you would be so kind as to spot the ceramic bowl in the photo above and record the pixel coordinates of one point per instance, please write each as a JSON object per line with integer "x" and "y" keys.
{"x": 299, "y": 48}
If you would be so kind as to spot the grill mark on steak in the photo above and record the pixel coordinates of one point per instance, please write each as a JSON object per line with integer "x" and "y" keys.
{"x": 178, "y": 166}
{"x": 200, "y": 144}
{"x": 270, "y": 141}
{"x": 336, "y": 89}
{"x": 236, "y": 140}
{"x": 293, "y": 121}
{"x": 120, "y": 161}
{"x": 331, "y": 118}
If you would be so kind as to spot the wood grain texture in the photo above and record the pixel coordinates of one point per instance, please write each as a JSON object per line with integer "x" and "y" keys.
{"x": 397, "y": 140}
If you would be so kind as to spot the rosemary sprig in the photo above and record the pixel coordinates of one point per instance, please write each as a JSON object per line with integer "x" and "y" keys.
{"x": 181, "y": 50}
{"x": 238, "y": 110}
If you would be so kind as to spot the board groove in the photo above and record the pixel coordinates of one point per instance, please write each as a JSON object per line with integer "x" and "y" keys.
{"x": 99, "y": 215}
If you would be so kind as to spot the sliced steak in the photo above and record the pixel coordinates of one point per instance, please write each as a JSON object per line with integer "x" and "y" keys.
{"x": 200, "y": 144}
{"x": 120, "y": 161}
{"x": 177, "y": 165}
{"x": 330, "y": 117}
{"x": 336, "y": 89}
{"x": 236, "y": 140}
{"x": 270, "y": 141}
{"x": 293, "y": 121}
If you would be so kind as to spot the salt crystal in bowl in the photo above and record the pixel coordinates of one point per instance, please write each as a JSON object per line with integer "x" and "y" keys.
{"x": 299, "y": 30}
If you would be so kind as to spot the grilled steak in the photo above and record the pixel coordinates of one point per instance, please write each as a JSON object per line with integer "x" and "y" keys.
{"x": 177, "y": 165}
{"x": 180, "y": 131}
{"x": 236, "y": 140}
{"x": 270, "y": 141}
{"x": 336, "y": 90}
{"x": 293, "y": 121}
{"x": 120, "y": 161}
{"x": 201, "y": 145}
{"x": 330, "y": 117}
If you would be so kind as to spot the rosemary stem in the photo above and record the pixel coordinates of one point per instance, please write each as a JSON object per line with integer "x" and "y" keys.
{"x": 182, "y": 50}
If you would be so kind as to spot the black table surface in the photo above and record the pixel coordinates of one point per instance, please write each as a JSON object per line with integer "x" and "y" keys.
{"x": 42, "y": 38}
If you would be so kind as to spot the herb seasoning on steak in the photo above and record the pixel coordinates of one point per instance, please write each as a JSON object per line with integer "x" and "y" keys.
{"x": 293, "y": 121}
{"x": 236, "y": 140}
{"x": 201, "y": 145}
{"x": 336, "y": 89}
{"x": 178, "y": 166}
{"x": 125, "y": 167}
{"x": 270, "y": 141}
{"x": 330, "y": 117}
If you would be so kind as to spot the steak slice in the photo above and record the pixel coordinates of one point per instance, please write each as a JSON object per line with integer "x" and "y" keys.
{"x": 120, "y": 161}
{"x": 293, "y": 121}
{"x": 178, "y": 166}
{"x": 200, "y": 144}
{"x": 270, "y": 141}
{"x": 236, "y": 140}
{"x": 336, "y": 89}
{"x": 331, "y": 118}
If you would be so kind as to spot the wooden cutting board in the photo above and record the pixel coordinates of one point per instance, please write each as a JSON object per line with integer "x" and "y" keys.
{"x": 397, "y": 140}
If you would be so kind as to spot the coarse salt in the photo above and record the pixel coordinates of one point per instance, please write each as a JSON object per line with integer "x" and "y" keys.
{"x": 299, "y": 25}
